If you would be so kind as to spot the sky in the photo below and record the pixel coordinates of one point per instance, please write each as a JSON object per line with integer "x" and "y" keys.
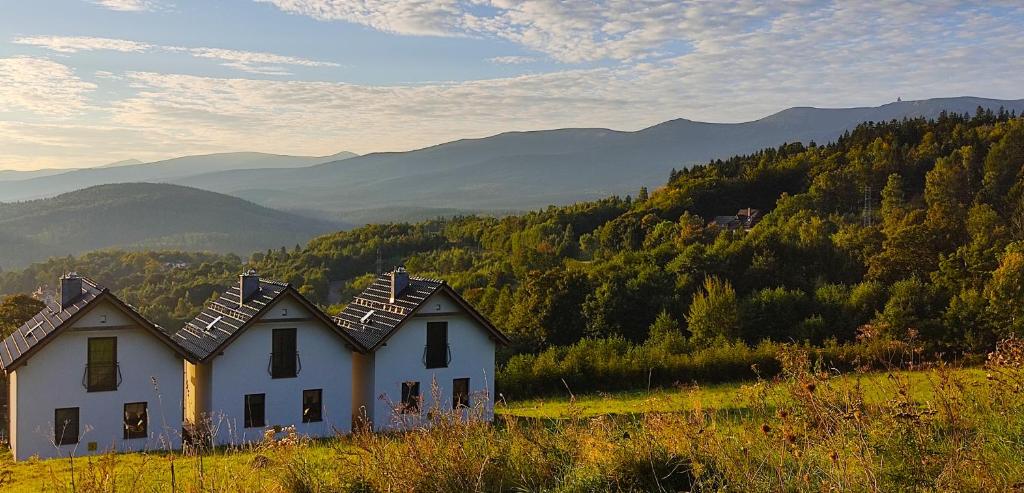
{"x": 89, "y": 82}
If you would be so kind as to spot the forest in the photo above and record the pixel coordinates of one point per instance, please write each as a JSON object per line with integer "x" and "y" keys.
{"x": 904, "y": 232}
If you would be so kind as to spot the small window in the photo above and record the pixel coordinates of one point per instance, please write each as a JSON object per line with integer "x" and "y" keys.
{"x": 312, "y": 405}
{"x": 255, "y": 410}
{"x": 410, "y": 398}
{"x": 460, "y": 393}
{"x": 101, "y": 369}
{"x": 136, "y": 420}
{"x": 65, "y": 426}
{"x": 436, "y": 353}
{"x": 283, "y": 358}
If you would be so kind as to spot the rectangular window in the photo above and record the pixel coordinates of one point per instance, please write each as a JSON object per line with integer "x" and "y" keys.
{"x": 101, "y": 369}
{"x": 436, "y": 353}
{"x": 65, "y": 426}
{"x": 283, "y": 358}
{"x": 312, "y": 405}
{"x": 136, "y": 420}
{"x": 255, "y": 410}
{"x": 460, "y": 393}
{"x": 410, "y": 398}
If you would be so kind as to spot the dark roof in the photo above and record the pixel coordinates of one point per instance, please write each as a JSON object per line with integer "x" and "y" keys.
{"x": 43, "y": 327}
{"x": 371, "y": 317}
{"x": 222, "y": 320}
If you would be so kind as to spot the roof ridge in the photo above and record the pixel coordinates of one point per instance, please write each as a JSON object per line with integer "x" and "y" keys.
{"x": 92, "y": 283}
{"x": 277, "y": 283}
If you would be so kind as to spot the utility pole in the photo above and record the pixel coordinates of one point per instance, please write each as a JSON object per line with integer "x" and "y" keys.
{"x": 380, "y": 263}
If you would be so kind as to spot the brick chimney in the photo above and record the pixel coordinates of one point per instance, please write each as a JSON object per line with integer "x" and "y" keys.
{"x": 248, "y": 285}
{"x": 399, "y": 281}
{"x": 70, "y": 289}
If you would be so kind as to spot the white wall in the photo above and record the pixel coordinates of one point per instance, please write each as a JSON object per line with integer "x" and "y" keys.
{"x": 401, "y": 359}
{"x": 242, "y": 369}
{"x": 52, "y": 378}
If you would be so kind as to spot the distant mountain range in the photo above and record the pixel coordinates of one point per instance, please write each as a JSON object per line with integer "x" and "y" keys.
{"x": 134, "y": 171}
{"x": 506, "y": 172}
{"x": 520, "y": 170}
{"x": 146, "y": 215}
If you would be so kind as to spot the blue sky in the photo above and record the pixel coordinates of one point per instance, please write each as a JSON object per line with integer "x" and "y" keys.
{"x": 86, "y": 82}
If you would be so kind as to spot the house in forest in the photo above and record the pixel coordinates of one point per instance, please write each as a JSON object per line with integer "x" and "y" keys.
{"x": 88, "y": 374}
{"x": 262, "y": 356}
{"x": 427, "y": 348}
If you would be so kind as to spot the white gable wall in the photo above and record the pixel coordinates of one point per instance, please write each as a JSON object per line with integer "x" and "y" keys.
{"x": 401, "y": 359}
{"x": 243, "y": 369}
{"x": 52, "y": 378}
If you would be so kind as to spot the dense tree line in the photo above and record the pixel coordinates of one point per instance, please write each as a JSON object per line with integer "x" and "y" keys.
{"x": 905, "y": 230}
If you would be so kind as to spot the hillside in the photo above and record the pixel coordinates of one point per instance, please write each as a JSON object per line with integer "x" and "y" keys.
{"x": 940, "y": 263}
{"x": 523, "y": 170}
{"x": 152, "y": 216}
{"x": 31, "y": 185}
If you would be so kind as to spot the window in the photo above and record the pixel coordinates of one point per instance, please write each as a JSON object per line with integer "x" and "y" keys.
{"x": 255, "y": 416}
{"x": 101, "y": 371}
{"x": 312, "y": 405}
{"x": 460, "y": 393}
{"x": 135, "y": 420}
{"x": 65, "y": 426}
{"x": 410, "y": 398}
{"x": 436, "y": 352}
{"x": 283, "y": 357}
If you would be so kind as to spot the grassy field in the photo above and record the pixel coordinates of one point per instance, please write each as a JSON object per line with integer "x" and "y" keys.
{"x": 940, "y": 429}
{"x": 736, "y": 397}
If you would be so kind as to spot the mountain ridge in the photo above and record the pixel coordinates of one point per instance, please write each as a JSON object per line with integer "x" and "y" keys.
{"x": 520, "y": 170}
{"x": 146, "y": 215}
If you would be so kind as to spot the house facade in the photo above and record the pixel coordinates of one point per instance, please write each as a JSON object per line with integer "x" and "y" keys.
{"x": 427, "y": 350}
{"x": 264, "y": 356}
{"x": 89, "y": 375}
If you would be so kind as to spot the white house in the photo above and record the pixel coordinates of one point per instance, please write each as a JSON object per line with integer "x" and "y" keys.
{"x": 264, "y": 356}
{"x": 88, "y": 374}
{"x": 426, "y": 346}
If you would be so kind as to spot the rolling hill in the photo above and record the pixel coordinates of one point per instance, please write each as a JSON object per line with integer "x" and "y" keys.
{"x": 519, "y": 170}
{"x": 51, "y": 184}
{"x": 505, "y": 172}
{"x": 144, "y": 215}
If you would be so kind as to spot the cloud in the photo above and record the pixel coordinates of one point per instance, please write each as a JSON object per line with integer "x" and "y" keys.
{"x": 712, "y": 61}
{"x": 625, "y": 30}
{"x": 75, "y": 44}
{"x": 246, "y": 61}
{"x": 410, "y": 17}
{"x": 127, "y": 5}
{"x": 512, "y": 60}
{"x": 42, "y": 87}
{"x": 566, "y": 30}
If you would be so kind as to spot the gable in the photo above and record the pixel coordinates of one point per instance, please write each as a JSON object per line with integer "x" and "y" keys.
{"x": 225, "y": 319}
{"x": 103, "y": 314}
{"x": 95, "y": 309}
{"x": 286, "y": 308}
{"x": 439, "y": 303}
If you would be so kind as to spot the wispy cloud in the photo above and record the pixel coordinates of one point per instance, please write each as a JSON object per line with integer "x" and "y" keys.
{"x": 75, "y": 44}
{"x": 512, "y": 60}
{"x": 127, "y": 5}
{"x": 42, "y": 87}
{"x": 246, "y": 61}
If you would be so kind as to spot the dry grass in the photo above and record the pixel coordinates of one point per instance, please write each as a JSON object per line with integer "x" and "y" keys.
{"x": 942, "y": 429}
